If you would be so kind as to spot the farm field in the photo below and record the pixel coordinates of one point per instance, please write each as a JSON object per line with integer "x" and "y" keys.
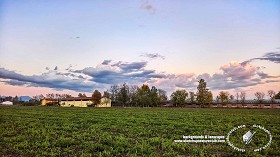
{"x": 57, "y": 131}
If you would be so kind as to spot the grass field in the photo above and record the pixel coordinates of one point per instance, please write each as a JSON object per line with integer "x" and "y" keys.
{"x": 57, "y": 131}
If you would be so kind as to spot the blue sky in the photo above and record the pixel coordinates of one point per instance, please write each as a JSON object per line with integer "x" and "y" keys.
{"x": 191, "y": 38}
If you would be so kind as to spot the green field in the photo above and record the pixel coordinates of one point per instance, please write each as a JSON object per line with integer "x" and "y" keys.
{"x": 57, "y": 131}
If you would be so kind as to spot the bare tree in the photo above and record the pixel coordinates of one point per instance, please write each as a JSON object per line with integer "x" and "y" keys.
{"x": 57, "y": 96}
{"x": 237, "y": 97}
{"x": 260, "y": 97}
{"x": 39, "y": 97}
{"x": 113, "y": 92}
{"x": 50, "y": 96}
{"x": 242, "y": 98}
{"x": 66, "y": 96}
{"x": 271, "y": 94}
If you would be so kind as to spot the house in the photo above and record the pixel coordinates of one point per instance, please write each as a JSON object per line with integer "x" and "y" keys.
{"x": 76, "y": 101}
{"x": 46, "y": 101}
{"x": 7, "y": 103}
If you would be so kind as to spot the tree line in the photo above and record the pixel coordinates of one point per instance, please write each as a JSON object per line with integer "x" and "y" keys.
{"x": 144, "y": 96}
{"x": 125, "y": 95}
{"x": 225, "y": 97}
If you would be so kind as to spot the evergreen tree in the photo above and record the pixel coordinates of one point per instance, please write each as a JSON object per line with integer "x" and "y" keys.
{"x": 202, "y": 94}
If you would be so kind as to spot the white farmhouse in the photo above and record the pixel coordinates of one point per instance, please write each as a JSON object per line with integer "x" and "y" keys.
{"x": 7, "y": 103}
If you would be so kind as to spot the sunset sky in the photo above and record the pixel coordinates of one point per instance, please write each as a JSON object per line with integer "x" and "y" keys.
{"x": 65, "y": 46}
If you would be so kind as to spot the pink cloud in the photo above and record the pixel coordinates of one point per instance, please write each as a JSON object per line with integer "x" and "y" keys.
{"x": 235, "y": 69}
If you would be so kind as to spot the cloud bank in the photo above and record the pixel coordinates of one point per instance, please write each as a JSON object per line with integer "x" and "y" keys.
{"x": 51, "y": 79}
{"x": 234, "y": 75}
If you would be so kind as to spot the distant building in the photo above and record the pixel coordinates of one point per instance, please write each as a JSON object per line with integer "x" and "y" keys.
{"x": 7, "y": 103}
{"x": 24, "y": 98}
{"x": 46, "y": 101}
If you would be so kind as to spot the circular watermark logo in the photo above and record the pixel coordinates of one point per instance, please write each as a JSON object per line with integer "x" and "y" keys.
{"x": 249, "y": 138}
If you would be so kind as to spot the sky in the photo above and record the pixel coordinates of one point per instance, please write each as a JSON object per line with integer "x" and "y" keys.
{"x": 70, "y": 46}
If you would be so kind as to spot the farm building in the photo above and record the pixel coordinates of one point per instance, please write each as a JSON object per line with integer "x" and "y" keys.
{"x": 7, "y": 103}
{"x": 77, "y": 102}
{"x": 46, "y": 101}
{"x": 84, "y": 102}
